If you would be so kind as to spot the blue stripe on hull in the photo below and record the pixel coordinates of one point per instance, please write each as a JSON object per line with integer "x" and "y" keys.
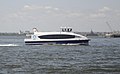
{"x": 83, "y": 42}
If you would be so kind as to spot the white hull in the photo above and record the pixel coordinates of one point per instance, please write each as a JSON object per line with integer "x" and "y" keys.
{"x": 54, "y": 42}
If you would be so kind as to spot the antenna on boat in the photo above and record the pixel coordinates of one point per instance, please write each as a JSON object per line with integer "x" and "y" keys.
{"x": 35, "y": 30}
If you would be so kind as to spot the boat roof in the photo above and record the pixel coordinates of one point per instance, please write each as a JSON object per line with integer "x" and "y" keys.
{"x": 51, "y": 33}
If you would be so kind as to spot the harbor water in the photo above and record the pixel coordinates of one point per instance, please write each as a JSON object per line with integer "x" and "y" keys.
{"x": 101, "y": 56}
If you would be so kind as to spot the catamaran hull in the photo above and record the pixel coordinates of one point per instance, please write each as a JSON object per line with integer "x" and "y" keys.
{"x": 78, "y": 42}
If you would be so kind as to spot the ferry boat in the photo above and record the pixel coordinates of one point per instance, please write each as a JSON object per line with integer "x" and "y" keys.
{"x": 64, "y": 37}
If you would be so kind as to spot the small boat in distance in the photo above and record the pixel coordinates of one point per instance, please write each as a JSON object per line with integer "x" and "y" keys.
{"x": 64, "y": 37}
{"x": 112, "y": 34}
{"x": 115, "y": 34}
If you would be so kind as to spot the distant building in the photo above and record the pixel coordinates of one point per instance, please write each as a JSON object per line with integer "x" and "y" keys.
{"x": 92, "y": 34}
{"x": 20, "y": 32}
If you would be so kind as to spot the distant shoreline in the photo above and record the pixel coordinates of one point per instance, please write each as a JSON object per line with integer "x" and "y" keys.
{"x": 12, "y": 34}
{"x": 24, "y": 34}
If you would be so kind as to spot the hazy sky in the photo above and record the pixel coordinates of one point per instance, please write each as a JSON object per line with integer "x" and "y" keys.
{"x": 50, "y": 15}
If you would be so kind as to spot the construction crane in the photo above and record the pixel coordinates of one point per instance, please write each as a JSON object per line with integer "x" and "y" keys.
{"x": 109, "y": 27}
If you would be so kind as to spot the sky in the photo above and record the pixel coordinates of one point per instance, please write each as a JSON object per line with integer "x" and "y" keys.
{"x": 50, "y": 15}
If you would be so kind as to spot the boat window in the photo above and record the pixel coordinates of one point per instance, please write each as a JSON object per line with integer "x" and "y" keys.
{"x": 56, "y": 36}
{"x": 77, "y": 37}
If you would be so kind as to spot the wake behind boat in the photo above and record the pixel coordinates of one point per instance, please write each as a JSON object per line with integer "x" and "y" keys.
{"x": 65, "y": 37}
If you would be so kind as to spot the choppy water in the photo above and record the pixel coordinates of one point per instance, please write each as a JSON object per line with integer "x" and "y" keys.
{"x": 102, "y": 56}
